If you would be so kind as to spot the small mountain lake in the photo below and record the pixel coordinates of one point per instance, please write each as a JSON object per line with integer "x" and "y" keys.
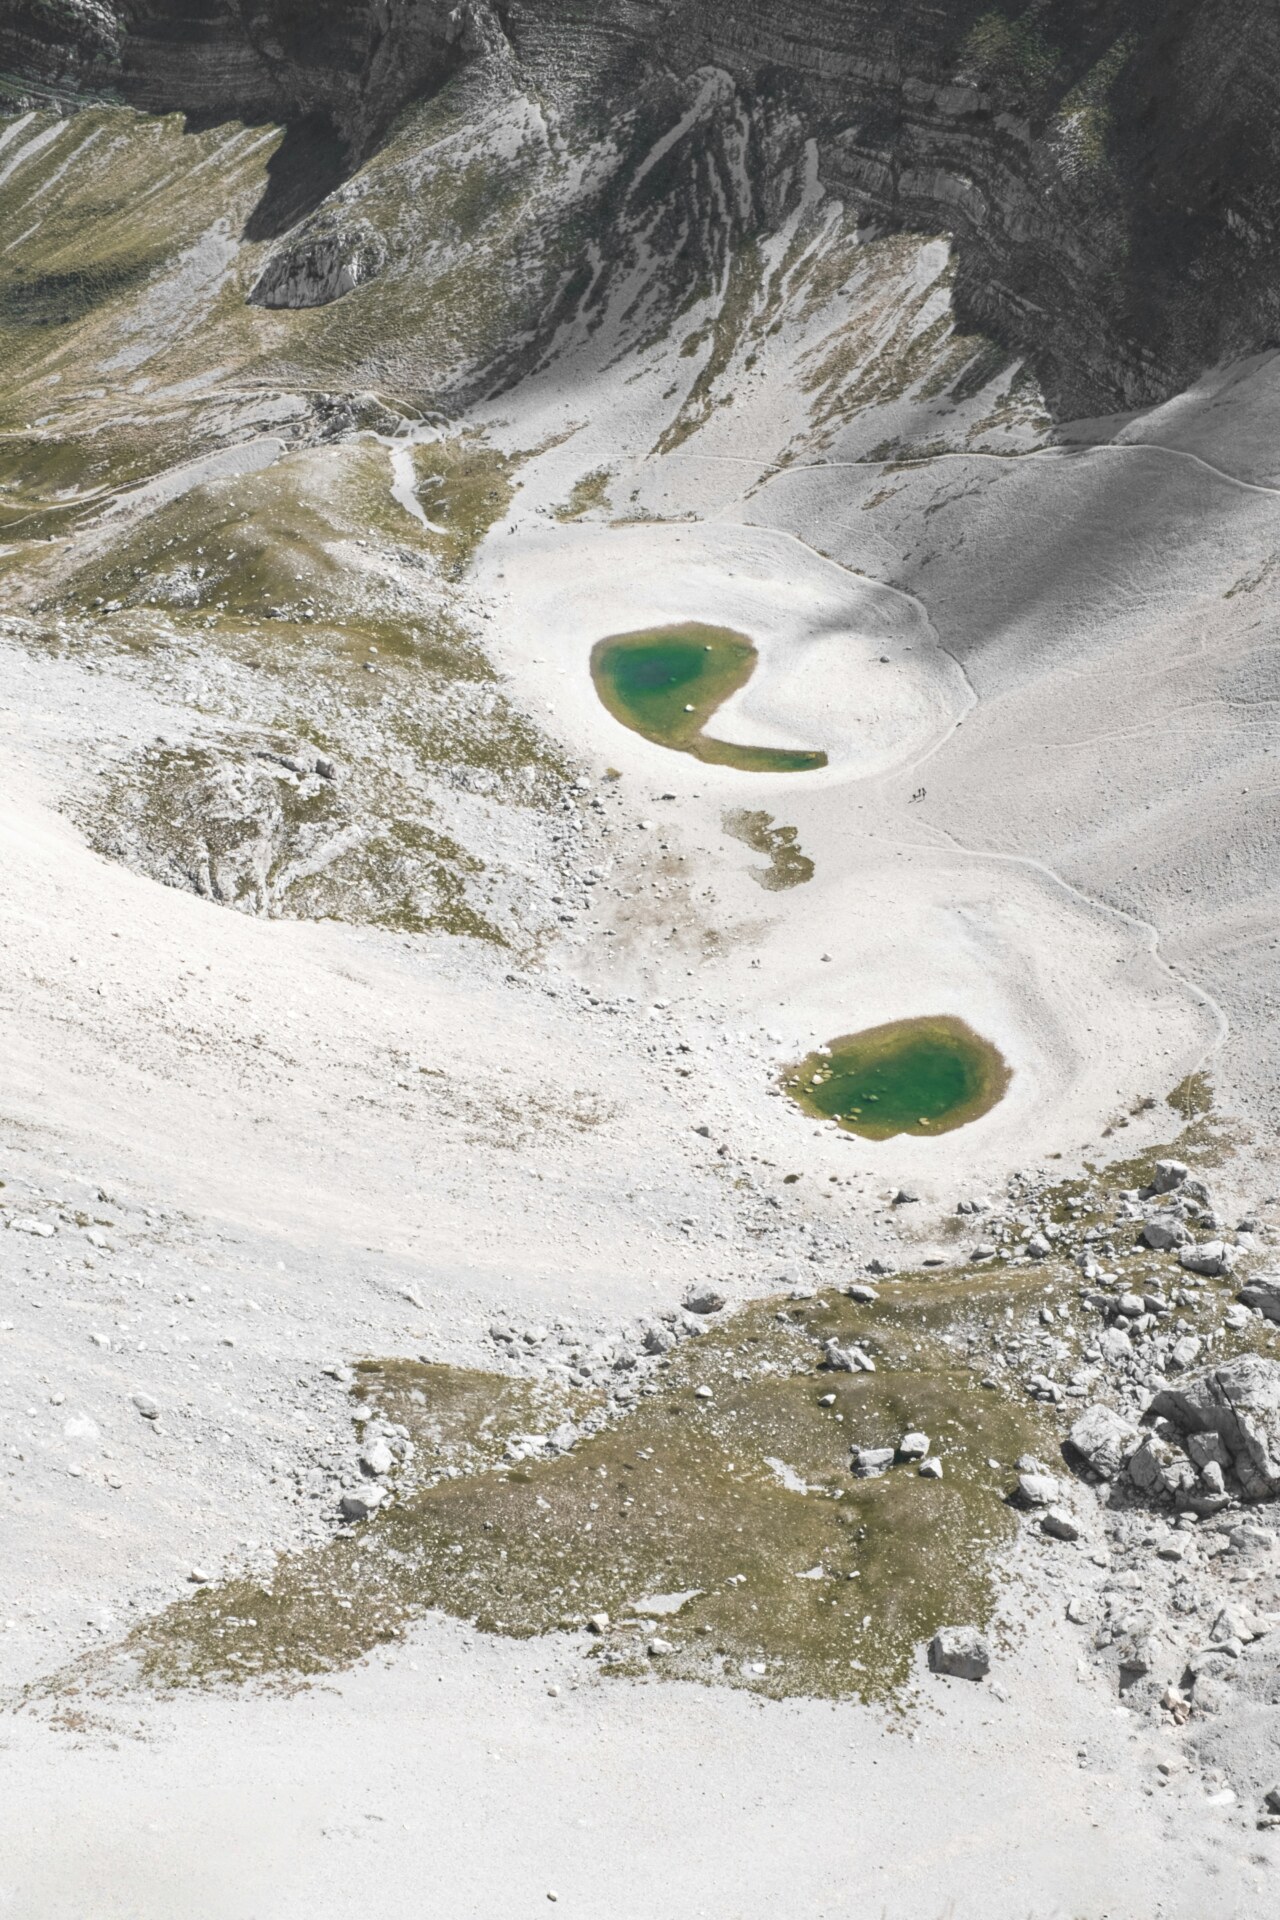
{"x": 666, "y": 682}
{"x": 921, "y": 1076}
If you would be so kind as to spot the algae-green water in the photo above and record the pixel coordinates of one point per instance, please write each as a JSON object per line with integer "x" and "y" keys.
{"x": 666, "y": 682}
{"x": 920, "y": 1076}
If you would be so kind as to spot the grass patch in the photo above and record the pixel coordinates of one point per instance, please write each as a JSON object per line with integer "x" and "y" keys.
{"x": 825, "y": 1591}
{"x": 465, "y": 487}
{"x": 588, "y": 495}
{"x": 788, "y": 866}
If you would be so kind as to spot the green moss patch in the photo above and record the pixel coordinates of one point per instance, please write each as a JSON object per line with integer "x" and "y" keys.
{"x": 788, "y": 866}
{"x": 731, "y": 1483}
{"x": 465, "y": 486}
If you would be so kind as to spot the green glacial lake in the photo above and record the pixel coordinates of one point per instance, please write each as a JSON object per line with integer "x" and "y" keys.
{"x": 666, "y": 683}
{"x": 911, "y": 1076}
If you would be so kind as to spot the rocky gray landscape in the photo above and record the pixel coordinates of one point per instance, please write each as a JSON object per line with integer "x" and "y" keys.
{"x": 662, "y": 1304}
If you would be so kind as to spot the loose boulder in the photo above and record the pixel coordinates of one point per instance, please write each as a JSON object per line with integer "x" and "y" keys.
{"x": 1035, "y": 1490}
{"x": 869, "y": 1463}
{"x": 1100, "y": 1441}
{"x": 1263, "y": 1294}
{"x": 1212, "y": 1259}
{"x": 960, "y": 1652}
{"x": 1163, "y": 1232}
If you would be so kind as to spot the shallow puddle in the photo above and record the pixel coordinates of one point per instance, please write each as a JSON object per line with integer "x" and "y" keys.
{"x": 666, "y": 683}
{"x": 724, "y": 1498}
{"x": 910, "y": 1076}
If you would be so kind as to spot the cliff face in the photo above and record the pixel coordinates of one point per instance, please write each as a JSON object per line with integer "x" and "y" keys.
{"x": 1107, "y": 167}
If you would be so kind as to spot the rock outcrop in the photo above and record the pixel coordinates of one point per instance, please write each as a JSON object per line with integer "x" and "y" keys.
{"x": 321, "y": 262}
{"x": 1109, "y": 176}
{"x": 1238, "y": 1405}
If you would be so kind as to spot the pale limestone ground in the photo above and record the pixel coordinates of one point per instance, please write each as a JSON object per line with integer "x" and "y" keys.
{"x": 1088, "y": 702}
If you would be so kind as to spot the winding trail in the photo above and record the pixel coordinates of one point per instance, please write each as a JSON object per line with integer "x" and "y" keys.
{"x": 1147, "y": 931}
{"x": 770, "y": 474}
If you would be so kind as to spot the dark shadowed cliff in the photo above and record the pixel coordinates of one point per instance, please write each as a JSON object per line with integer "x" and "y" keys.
{"x": 1107, "y": 167}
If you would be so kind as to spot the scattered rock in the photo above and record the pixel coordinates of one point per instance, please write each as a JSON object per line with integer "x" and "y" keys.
{"x": 1262, "y": 1293}
{"x": 858, "y": 1290}
{"x": 1163, "y": 1232}
{"x": 703, "y": 1300}
{"x": 960, "y": 1652}
{"x": 1059, "y": 1525}
{"x": 1035, "y": 1490}
{"x": 1148, "y": 1465}
{"x": 1101, "y": 1441}
{"x": 362, "y": 1505}
{"x": 869, "y": 1463}
{"x": 1212, "y": 1258}
{"x": 376, "y": 1459}
{"x": 846, "y": 1359}
{"x": 146, "y": 1406}
{"x": 913, "y": 1446}
{"x": 931, "y": 1469}
{"x": 1137, "y": 1657}
{"x": 659, "y": 1647}
{"x": 1168, "y": 1175}
{"x": 1184, "y": 1353}
{"x": 1235, "y": 1623}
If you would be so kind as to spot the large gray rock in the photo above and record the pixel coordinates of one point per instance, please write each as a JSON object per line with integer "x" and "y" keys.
{"x": 1163, "y": 1232}
{"x": 846, "y": 1359}
{"x": 1184, "y": 1353}
{"x": 1240, "y": 1402}
{"x": 1212, "y": 1258}
{"x": 1263, "y": 1292}
{"x": 1101, "y": 1441}
{"x": 1168, "y": 1175}
{"x": 961, "y": 1652}
{"x": 869, "y": 1463}
{"x": 321, "y": 263}
{"x": 1035, "y": 1490}
{"x": 1148, "y": 1466}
